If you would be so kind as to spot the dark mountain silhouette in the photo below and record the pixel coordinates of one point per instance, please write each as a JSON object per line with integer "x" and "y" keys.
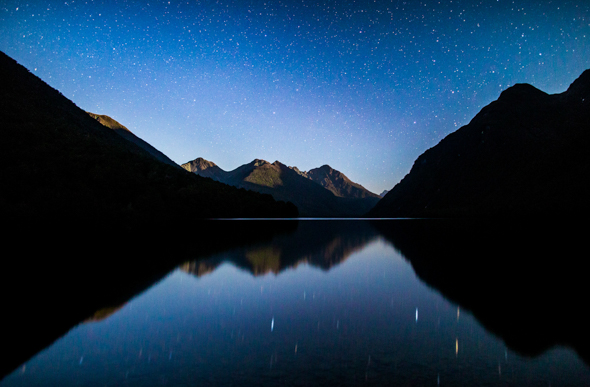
{"x": 128, "y": 135}
{"x": 60, "y": 166}
{"x": 382, "y": 194}
{"x": 524, "y": 154}
{"x": 321, "y": 192}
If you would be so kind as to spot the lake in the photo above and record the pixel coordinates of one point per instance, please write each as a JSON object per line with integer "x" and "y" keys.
{"x": 339, "y": 303}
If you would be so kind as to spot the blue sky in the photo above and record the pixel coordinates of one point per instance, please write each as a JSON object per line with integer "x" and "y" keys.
{"x": 364, "y": 86}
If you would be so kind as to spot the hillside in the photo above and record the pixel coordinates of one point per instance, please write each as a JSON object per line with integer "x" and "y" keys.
{"x": 205, "y": 168}
{"x": 525, "y": 154}
{"x": 337, "y": 183}
{"x": 128, "y": 135}
{"x": 59, "y": 165}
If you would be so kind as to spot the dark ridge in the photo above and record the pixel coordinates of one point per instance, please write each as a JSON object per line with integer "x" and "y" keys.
{"x": 525, "y": 154}
{"x": 128, "y": 135}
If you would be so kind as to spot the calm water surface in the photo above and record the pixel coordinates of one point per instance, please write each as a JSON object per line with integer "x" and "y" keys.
{"x": 353, "y": 313}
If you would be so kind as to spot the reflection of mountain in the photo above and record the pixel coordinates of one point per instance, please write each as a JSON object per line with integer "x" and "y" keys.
{"x": 524, "y": 281}
{"x": 103, "y": 313}
{"x": 201, "y": 267}
{"x": 323, "y": 244}
{"x": 76, "y": 274}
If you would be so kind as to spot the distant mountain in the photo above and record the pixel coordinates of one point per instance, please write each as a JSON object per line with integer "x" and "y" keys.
{"x": 321, "y": 192}
{"x": 382, "y": 194}
{"x": 59, "y": 165}
{"x": 524, "y": 154}
{"x": 337, "y": 183}
{"x": 205, "y": 168}
{"x": 128, "y": 135}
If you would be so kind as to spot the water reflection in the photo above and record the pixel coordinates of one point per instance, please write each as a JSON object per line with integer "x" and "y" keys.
{"x": 331, "y": 303}
{"x": 59, "y": 275}
{"x": 321, "y": 244}
{"x": 524, "y": 280}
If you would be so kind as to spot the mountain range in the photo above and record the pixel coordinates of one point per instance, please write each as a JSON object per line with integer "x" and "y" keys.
{"x": 523, "y": 154}
{"x": 320, "y": 192}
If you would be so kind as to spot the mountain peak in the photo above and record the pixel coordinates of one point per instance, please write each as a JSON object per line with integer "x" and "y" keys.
{"x": 337, "y": 182}
{"x": 277, "y": 163}
{"x": 521, "y": 92}
{"x": 259, "y": 162}
{"x": 328, "y": 169}
{"x": 204, "y": 163}
{"x": 202, "y": 167}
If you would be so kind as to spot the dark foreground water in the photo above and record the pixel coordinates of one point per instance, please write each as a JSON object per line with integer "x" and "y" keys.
{"x": 345, "y": 309}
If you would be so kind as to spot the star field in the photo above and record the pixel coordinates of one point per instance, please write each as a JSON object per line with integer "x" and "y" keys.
{"x": 364, "y": 86}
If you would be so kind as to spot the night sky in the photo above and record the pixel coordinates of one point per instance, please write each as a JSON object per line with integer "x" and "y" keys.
{"x": 364, "y": 86}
